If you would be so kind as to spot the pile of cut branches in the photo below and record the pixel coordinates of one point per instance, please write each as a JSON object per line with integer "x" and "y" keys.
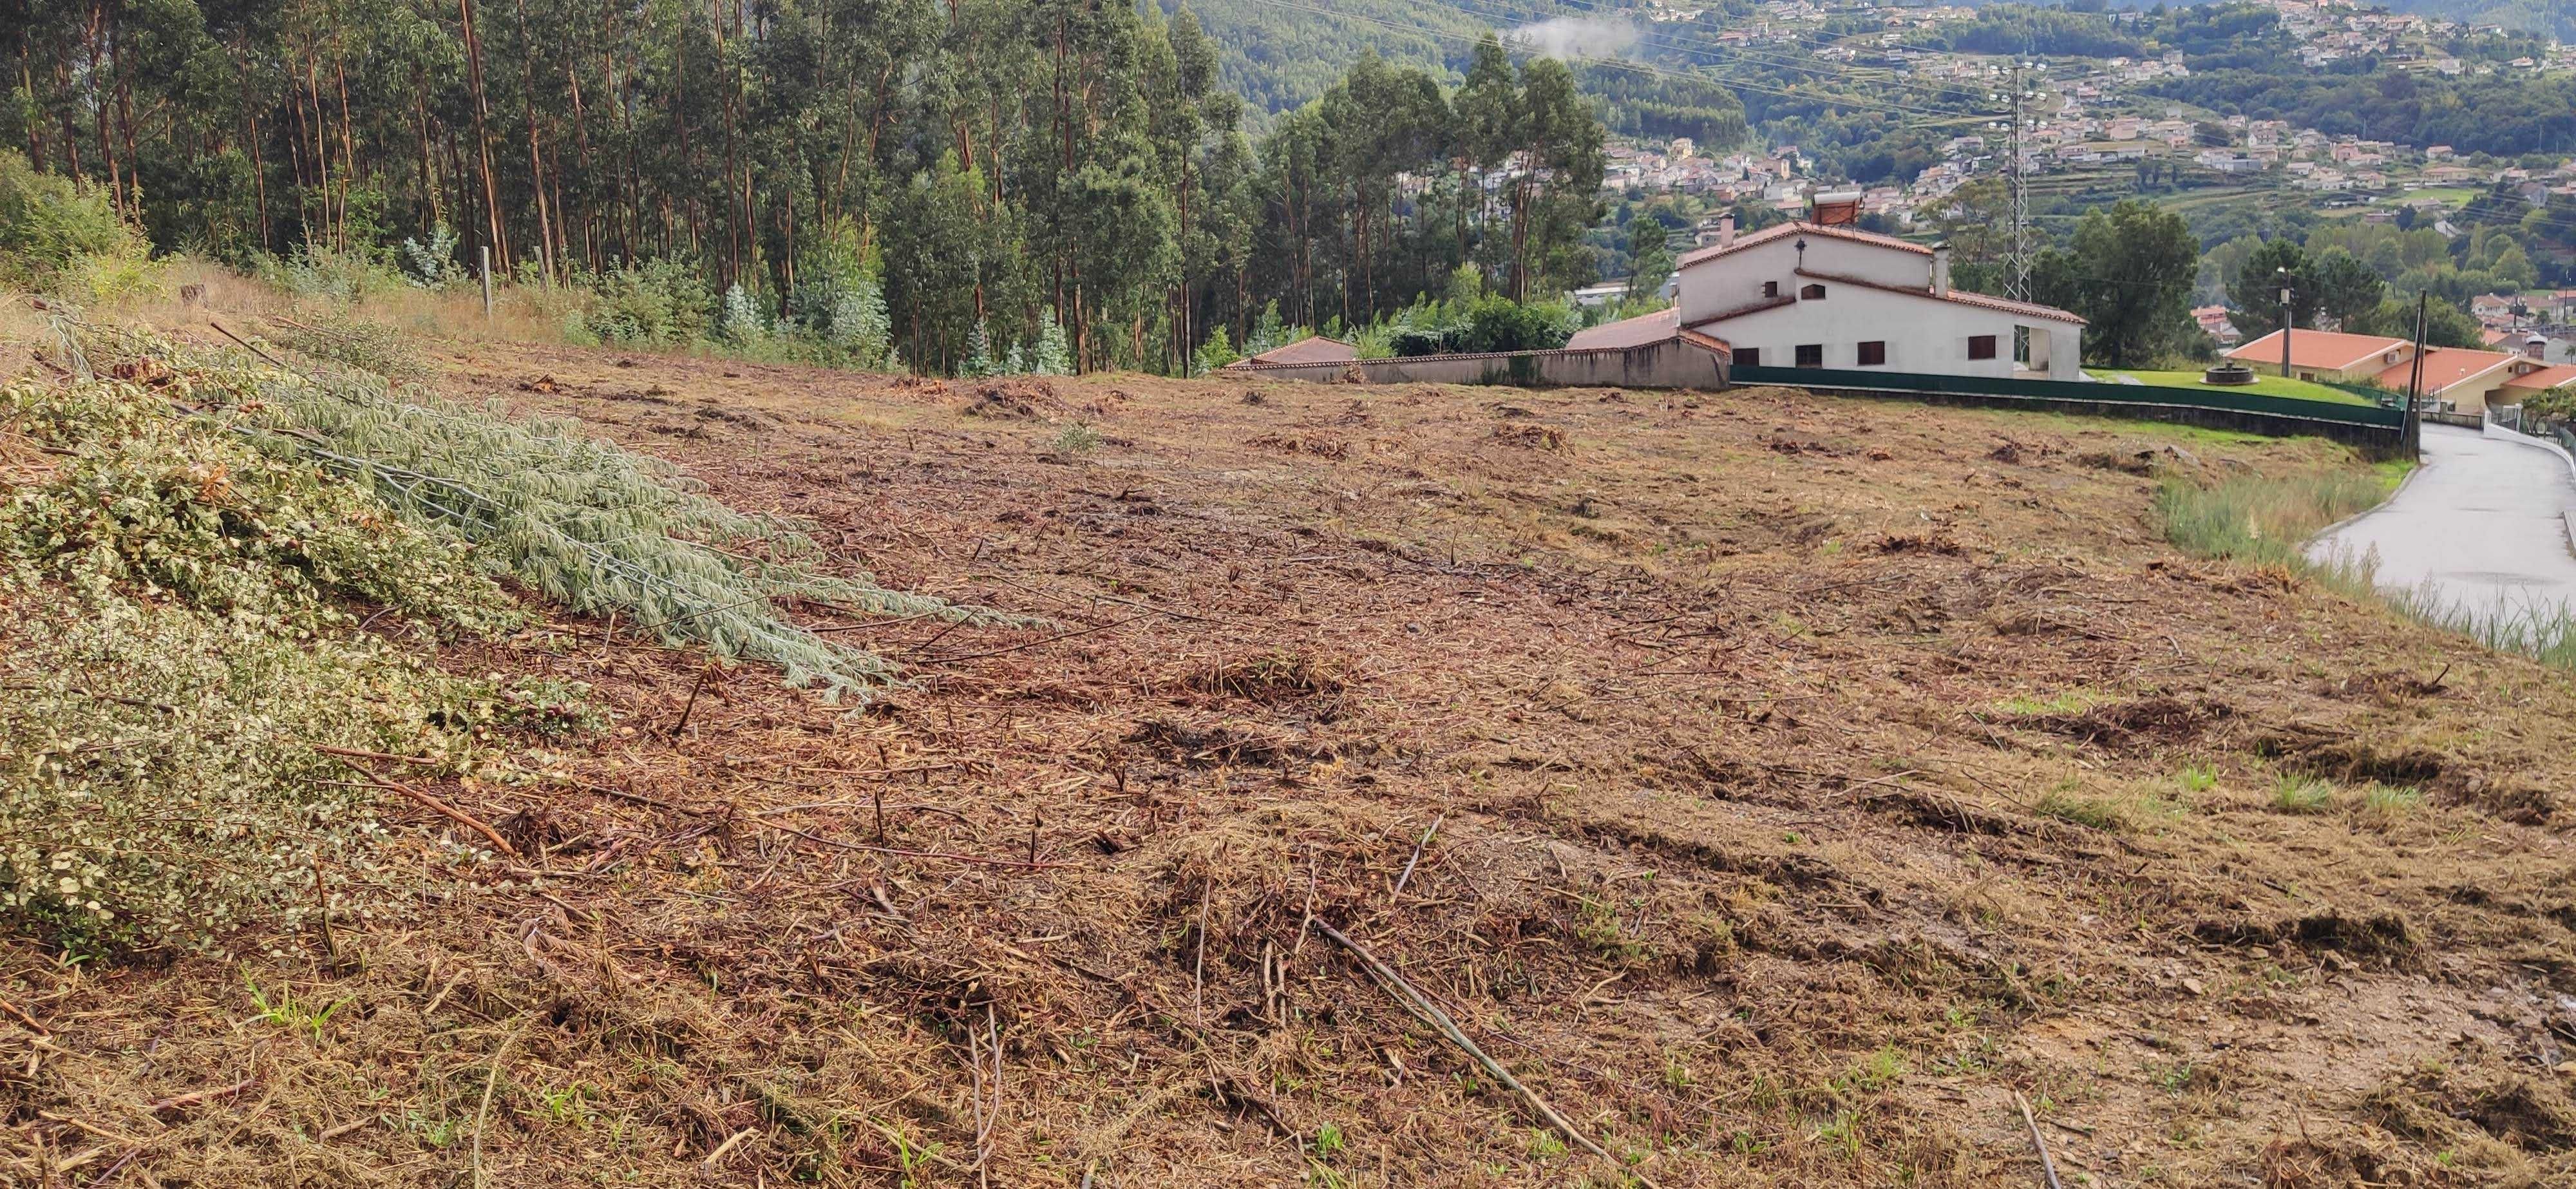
{"x": 593, "y": 527}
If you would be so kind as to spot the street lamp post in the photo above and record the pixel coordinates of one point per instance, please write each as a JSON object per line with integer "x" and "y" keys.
{"x": 2285, "y": 321}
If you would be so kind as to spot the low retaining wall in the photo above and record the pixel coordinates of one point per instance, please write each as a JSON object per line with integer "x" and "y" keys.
{"x": 2373, "y": 441}
{"x": 2377, "y": 431}
{"x": 1672, "y": 363}
{"x": 1679, "y": 363}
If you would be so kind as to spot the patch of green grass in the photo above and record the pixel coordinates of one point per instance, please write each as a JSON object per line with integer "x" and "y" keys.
{"x": 2073, "y": 701}
{"x": 569, "y": 1106}
{"x": 2302, "y": 794}
{"x": 1328, "y": 1139}
{"x": 1842, "y": 1136}
{"x": 2262, "y": 386}
{"x": 2269, "y": 522}
{"x": 2266, "y": 521}
{"x": 2454, "y": 195}
{"x": 283, "y": 1009}
{"x": 2543, "y": 631}
{"x": 2083, "y": 811}
{"x": 1876, "y": 1071}
{"x": 2390, "y": 801}
{"x": 2198, "y": 778}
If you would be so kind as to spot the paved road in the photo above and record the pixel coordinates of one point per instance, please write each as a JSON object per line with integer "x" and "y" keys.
{"x": 2480, "y": 523}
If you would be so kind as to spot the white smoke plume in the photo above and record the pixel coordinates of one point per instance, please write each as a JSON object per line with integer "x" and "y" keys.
{"x": 1576, "y": 37}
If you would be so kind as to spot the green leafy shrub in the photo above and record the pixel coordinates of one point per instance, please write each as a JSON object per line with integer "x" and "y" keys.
{"x": 433, "y": 265}
{"x": 1478, "y": 325}
{"x": 180, "y": 641}
{"x": 742, "y": 325}
{"x": 661, "y": 301}
{"x": 183, "y": 508}
{"x": 331, "y": 275}
{"x": 159, "y": 783}
{"x": 65, "y": 238}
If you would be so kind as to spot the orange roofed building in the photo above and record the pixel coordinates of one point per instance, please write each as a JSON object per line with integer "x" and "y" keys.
{"x": 2327, "y": 355}
{"x": 2461, "y": 379}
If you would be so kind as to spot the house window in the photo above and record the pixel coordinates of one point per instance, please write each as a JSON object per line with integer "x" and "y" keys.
{"x": 1981, "y": 346}
{"x": 1811, "y": 355}
{"x": 1812, "y": 293}
{"x": 1748, "y": 357}
{"x": 1770, "y": 288}
{"x": 1873, "y": 354}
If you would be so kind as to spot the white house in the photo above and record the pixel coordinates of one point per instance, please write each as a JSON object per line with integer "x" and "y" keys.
{"x": 1819, "y": 292}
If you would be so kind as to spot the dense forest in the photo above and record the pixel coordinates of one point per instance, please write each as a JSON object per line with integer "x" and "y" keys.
{"x": 984, "y": 169}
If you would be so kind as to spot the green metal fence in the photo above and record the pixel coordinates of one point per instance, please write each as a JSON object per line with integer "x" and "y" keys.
{"x": 2146, "y": 395}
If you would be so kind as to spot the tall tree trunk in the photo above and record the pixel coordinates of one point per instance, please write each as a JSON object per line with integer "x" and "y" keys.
{"x": 98, "y": 107}
{"x": 483, "y": 138}
{"x": 250, "y": 134}
{"x": 536, "y": 161}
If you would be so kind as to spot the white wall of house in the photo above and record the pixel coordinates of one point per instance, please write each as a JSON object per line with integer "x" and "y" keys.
{"x": 1921, "y": 334}
{"x": 1734, "y": 281}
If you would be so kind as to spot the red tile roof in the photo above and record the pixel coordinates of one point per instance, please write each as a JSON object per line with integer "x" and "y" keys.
{"x": 1628, "y": 332}
{"x": 1313, "y": 348}
{"x": 2445, "y": 367}
{"x": 2544, "y": 379}
{"x": 1708, "y": 342}
{"x": 2010, "y": 306}
{"x": 2326, "y": 349}
{"x": 1798, "y": 227}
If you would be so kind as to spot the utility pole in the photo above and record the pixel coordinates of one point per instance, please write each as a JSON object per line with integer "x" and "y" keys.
{"x": 2285, "y": 321}
{"x": 2017, "y": 265}
{"x": 2415, "y": 381}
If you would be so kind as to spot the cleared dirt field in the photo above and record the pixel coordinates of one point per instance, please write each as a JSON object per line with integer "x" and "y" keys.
{"x": 1801, "y": 780}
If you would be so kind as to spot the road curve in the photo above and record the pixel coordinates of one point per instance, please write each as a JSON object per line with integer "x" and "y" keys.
{"x": 2481, "y": 525}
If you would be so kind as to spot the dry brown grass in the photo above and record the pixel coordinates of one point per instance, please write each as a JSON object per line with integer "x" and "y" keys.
{"x": 1765, "y": 856}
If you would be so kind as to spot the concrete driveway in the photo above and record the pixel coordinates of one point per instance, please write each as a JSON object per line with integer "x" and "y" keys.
{"x": 2481, "y": 526}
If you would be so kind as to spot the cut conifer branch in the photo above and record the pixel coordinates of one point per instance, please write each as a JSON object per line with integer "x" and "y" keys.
{"x": 578, "y": 520}
{"x": 1429, "y": 1013}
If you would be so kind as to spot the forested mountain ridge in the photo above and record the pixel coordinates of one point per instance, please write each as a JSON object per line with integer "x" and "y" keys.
{"x": 981, "y": 169}
{"x": 1280, "y": 54}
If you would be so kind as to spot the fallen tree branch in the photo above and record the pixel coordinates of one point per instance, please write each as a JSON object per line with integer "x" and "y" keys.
{"x": 1430, "y": 1013}
{"x": 1407, "y": 877}
{"x": 20, "y": 1014}
{"x": 2047, "y": 1167}
{"x": 442, "y": 808}
{"x": 194, "y": 1097}
{"x": 485, "y": 1110}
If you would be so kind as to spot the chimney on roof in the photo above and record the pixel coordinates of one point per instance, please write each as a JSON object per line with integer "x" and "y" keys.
{"x": 1726, "y": 231}
{"x": 2536, "y": 347}
{"x": 1840, "y": 208}
{"x": 1941, "y": 269}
